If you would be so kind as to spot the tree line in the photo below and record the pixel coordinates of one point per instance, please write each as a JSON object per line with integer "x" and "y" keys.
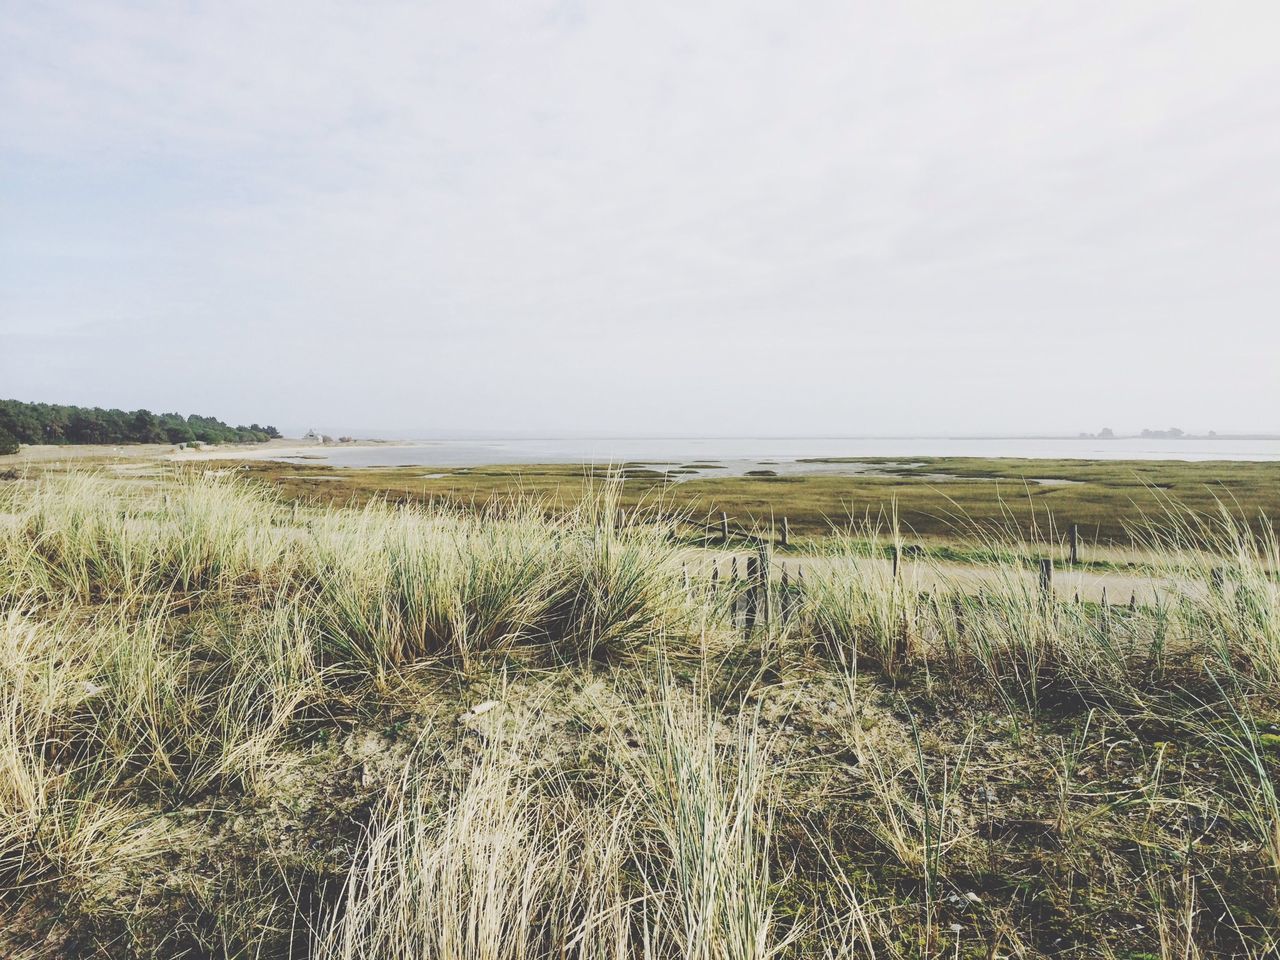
{"x": 56, "y": 423}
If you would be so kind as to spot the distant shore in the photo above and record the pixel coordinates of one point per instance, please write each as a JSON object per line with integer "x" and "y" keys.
{"x": 276, "y": 449}
{"x": 729, "y": 456}
{"x": 282, "y": 447}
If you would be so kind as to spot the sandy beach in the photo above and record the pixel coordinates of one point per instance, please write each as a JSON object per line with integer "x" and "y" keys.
{"x": 98, "y": 453}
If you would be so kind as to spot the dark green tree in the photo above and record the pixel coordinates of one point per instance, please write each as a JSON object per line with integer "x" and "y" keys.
{"x": 52, "y": 423}
{"x": 145, "y": 428}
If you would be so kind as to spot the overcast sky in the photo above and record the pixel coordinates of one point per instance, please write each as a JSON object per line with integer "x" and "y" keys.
{"x": 645, "y": 218}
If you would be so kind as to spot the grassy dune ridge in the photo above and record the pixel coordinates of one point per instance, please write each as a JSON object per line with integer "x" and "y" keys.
{"x": 234, "y": 727}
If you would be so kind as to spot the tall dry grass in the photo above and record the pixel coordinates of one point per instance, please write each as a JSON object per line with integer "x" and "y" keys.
{"x": 706, "y": 798}
{"x": 88, "y": 537}
{"x": 58, "y": 815}
{"x": 862, "y": 608}
{"x": 161, "y": 645}
{"x": 510, "y": 865}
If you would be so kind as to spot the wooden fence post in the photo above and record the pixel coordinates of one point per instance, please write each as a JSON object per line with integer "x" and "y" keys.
{"x": 724, "y": 527}
{"x": 797, "y": 603}
{"x": 765, "y": 605}
{"x": 786, "y": 533}
{"x": 784, "y": 614}
{"x": 753, "y": 573}
{"x": 897, "y": 556}
{"x": 1046, "y": 577}
{"x": 1073, "y": 533}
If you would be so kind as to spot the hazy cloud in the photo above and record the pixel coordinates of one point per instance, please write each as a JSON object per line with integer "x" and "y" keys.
{"x": 607, "y": 217}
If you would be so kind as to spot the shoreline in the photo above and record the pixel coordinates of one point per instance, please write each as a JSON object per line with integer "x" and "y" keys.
{"x": 760, "y": 456}
{"x": 277, "y": 450}
{"x": 283, "y": 447}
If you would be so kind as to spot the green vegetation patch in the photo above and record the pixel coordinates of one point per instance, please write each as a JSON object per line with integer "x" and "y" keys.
{"x": 1106, "y": 500}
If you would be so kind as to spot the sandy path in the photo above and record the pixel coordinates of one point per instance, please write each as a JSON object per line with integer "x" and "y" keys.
{"x": 928, "y": 574}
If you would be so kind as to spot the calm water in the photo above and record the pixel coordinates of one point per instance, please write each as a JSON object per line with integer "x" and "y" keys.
{"x": 738, "y": 455}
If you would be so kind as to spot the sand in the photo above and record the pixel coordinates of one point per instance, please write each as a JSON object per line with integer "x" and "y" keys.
{"x": 88, "y": 453}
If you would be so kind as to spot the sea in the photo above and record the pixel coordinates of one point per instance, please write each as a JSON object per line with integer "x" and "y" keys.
{"x": 726, "y": 456}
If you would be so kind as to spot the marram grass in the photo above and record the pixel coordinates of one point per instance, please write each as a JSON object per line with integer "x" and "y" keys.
{"x": 233, "y": 729}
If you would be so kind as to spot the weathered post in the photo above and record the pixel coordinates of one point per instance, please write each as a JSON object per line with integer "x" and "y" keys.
{"x": 733, "y": 561}
{"x": 1046, "y": 577}
{"x": 1073, "y": 533}
{"x": 785, "y": 613}
{"x": 786, "y": 533}
{"x": 1217, "y": 580}
{"x": 724, "y": 527}
{"x": 621, "y": 520}
{"x": 715, "y": 577}
{"x": 1133, "y": 602}
{"x": 753, "y": 574}
{"x": 765, "y": 606}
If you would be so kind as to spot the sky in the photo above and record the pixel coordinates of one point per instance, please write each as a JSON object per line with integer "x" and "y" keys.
{"x": 665, "y": 218}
